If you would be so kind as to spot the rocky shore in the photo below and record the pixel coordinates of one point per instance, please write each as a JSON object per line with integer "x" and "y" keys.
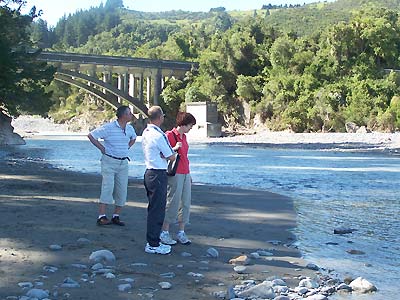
{"x": 242, "y": 246}
{"x": 31, "y": 126}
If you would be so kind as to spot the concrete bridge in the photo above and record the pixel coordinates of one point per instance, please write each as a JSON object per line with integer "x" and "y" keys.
{"x": 117, "y": 79}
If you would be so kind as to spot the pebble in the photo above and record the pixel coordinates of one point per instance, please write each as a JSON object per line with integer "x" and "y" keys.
{"x": 97, "y": 266}
{"x": 308, "y": 283}
{"x": 301, "y": 290}
{"x": 124, "y": 287}
{"x": 186, "y": 254}
{"x": 83, "y": 241}
{"x": 240, "y": 260}
{"x": 109, "y": 276}
{"x": 311, "y": 266}
{"x": 37, "y": 293}
{"x": 102, "y": 255}
{"x": 25, "y": 285}
{"x": 69, "y": 283}
{"x": 55, "y": 247}
{"x": 102, "y": 271}
{"x": 168, "y": 275}
{"x": 50, "y": 269}
{"x": 255, "y": 255}
{"x": 240, "y": 269}
{"x": 278, "y": 281}
{"x": 344, "y": 287}
{"x": 197, "y": 275}
{"x": 79, "y": 266}
{"x": 264, "y": 253}
{"x": 212, "y": 252}
{"x": 165, "y": 285}
{"x": 282, "y": 298}
{"x": 129, "y": 280}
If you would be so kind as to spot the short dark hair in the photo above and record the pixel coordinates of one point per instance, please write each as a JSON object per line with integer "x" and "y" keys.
{"x": 184, "y": 118}
{"x": 154, "y": 112}
{"x": 121, "y": 110}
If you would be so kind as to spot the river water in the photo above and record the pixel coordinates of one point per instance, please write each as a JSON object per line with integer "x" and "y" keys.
{"x": 330, "y": 189}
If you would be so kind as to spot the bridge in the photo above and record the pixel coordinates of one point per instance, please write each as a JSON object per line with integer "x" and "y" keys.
{"x": 116, "y": 79}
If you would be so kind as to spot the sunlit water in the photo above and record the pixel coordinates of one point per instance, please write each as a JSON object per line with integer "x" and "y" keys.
{"x": 330, "y": 190}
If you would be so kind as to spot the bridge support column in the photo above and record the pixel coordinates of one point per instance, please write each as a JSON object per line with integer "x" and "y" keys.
{"x": 141, "y": 84}
{"x": 132, "y": 85}
{"x": 148, "y": 91}
{"x": 157, "y": 87}
{"x": 106, "y": 78}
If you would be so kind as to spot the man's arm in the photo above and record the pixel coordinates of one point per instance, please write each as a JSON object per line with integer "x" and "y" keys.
{"x": 172, "y": 157}
{"x": 97, "y": 143}
{"x": 131, "y": 142}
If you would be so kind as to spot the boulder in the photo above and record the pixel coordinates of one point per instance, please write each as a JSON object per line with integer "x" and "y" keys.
{"x": 351, "y": 127}
{"x": 7, "y": 135}
{"x": 362, "y": 285}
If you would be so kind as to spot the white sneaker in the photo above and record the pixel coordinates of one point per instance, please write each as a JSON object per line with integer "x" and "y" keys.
{"x": 161, "y": 249}
{"x": 166, "y": 238}
{"x": 182, "y": 238}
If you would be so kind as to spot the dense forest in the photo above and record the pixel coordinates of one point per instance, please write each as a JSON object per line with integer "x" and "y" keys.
{"x": 306, "y": 68}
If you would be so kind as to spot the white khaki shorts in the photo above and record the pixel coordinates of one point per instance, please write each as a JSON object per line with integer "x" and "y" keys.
{"x": 179, "y": 198}
{"x": 114, "y": 186}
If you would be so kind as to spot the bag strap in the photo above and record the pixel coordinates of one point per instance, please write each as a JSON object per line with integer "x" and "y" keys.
{"x": 176, "y": 140}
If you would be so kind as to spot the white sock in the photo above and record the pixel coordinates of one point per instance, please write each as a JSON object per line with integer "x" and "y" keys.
{"x": 165, "y": 231}
{"x": 115, "y": 215}
{"x": 100, "y": 216}
{"x": 181, "y": 231}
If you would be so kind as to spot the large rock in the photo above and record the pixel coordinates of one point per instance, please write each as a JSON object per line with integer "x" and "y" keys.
{"x": 7, "y": 135}
{"x": 262, "y": 290}
{"x": 102, "y": 255}
{"x": 362, "y": 285}
{"x": 351, "y": 127}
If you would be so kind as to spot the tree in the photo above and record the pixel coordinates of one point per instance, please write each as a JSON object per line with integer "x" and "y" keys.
{"x": 22, "y": 77}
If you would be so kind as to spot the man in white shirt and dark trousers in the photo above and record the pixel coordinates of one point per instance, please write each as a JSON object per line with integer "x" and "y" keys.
{"x": 118, "y": 137}
{"x": 157, "y": 151}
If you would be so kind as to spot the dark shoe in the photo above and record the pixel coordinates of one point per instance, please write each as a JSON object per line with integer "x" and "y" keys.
{"x": 117, "y": 221}
{"x": 103, "y": 221}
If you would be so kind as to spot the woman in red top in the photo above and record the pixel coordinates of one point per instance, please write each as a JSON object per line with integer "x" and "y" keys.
{"x": 180, "y": 185}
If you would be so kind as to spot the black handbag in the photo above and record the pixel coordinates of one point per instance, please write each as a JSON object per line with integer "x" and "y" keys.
{"x": 173, "y": 165}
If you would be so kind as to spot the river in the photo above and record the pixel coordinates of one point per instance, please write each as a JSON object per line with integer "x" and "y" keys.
{"x": 330, "y": 189}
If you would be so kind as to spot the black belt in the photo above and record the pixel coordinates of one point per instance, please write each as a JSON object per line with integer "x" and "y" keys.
{"x": 119, "y": 158}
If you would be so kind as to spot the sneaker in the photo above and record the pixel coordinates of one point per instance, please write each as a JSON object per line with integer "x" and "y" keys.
{"x": 161, "y": 249}
{"x": 103, "y": 221}
{"x": 115, "y": 220}
{"x": 166, "y": 238}
{"x": 182, "y": 238}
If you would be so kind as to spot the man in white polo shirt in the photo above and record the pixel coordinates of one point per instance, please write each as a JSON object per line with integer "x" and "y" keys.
{"x": 157, "y": 151}
{"x": 118, "y": 137}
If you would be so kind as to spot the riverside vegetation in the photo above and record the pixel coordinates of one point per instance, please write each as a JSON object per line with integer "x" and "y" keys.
{"x": 313, "y": 67}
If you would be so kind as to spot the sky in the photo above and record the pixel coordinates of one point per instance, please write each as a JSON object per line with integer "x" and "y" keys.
{"x": 53, "y": 10}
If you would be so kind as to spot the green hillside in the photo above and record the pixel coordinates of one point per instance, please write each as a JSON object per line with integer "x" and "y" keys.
{"x": 307, "y": 68}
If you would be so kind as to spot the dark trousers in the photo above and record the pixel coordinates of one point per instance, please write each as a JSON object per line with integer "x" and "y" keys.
{"x": 155, "y": 182}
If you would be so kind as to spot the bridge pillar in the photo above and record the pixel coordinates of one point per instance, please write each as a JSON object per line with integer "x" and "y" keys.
{"x": 148, "y": 91}
{"x": 106, "y": 78}
{"x": 157, "y": 86}
{"x": 132, "y": 85}
{"x": 141, "y": 84}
